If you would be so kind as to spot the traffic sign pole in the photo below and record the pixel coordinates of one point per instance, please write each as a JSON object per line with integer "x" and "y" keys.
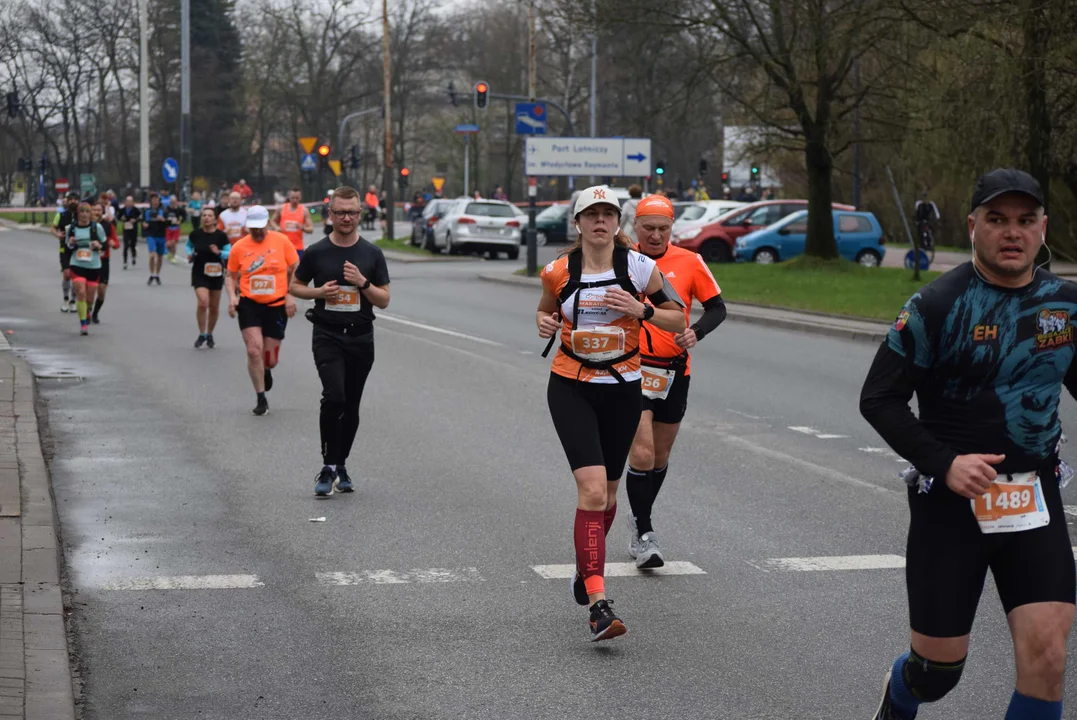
{"x": 532, "y": 233}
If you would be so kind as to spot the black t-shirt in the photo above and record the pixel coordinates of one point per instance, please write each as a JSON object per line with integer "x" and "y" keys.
{"x": 128, "y": 215}
{"x": 156, "y": 222}
{"x": 201, "y": 240}
{"x": 987, "y": 365}
{"x": 176, "y": 216}
{"x": 323, "y": 261}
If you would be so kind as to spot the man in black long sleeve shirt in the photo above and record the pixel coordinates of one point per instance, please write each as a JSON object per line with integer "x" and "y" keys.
{"x": 986, "y": 348}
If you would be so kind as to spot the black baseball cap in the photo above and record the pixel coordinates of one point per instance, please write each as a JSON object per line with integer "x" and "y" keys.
{"x": 1002, "y": 181}
{"x": 72, "y": 195}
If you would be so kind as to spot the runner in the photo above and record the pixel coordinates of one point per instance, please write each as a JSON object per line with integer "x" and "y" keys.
{"x": 177, "y": 214}
{"x": 260, "y": 270}
{"x": 350, "y": 280}
{"x": 154, "y": 224}
{"x": 371, "y": 211}
{"x": 99, "y": 214}
{"x": 129, "y": 216}
{"x": 207, "y": 252}
{"x": 85, "y": 239}
{"x": 233, "y": 219}
{"x": 293, "y": 219}
{"x": 63, "y": 219}
{"x": 666, "y": 368}
{"x": 594, "y": 387}
{"x": 986, "y": 349}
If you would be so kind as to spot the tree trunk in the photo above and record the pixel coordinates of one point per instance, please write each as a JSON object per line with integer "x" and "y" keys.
{"x": 820, "y": 242}
{"x": 1037, "y": 35}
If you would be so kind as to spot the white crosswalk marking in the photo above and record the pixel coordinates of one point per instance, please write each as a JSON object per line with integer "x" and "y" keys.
{"x": 836, "y": 562}
{"x": 394, "y": 577}
{"x": 554, "y": 572}
{"x": 189, "y": 582}
{"x": 817, "y": 433}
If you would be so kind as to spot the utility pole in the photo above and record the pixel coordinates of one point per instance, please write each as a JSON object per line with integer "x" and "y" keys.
{"x": 390, "y": 206}
{"x": 143, "y": 94}
{"x": 594, "y": 68}
{"x": 185, "y": 97}
{"x": 856, "y": 135}
{"x": 532, "y": 189}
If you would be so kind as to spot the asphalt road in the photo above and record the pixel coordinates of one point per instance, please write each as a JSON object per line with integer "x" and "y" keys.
{"x": 417, "y": 597}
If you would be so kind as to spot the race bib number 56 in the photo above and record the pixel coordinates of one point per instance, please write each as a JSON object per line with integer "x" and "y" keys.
{"x": 656, "y": 382}
{"x": 1012, "y": 506}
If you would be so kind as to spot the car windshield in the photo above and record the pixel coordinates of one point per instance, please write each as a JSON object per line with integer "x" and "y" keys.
{"x": 489, "y": 210}
{"x": 694, "y": 212}
{"x": 678, "y": 211}
{"x": 554, "y": 212}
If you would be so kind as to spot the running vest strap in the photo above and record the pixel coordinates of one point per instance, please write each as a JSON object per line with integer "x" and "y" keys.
{"x": 70, "y": 233}
{"x": 575, "y": 272}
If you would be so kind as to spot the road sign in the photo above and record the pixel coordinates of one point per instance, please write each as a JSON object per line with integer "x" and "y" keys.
{"x": 307, "y": 143}
{"x": 467, "y": 129}
{"x": 531, "y": 118}
{"x": 925, "y": 261}
{"x": 309, "y": 163}
{"x": 334, "y": 165}
{"x": 170, "y": 170}
{"x": 62, "y": 185}
{"x": 438, "y": 182}
{"x": 87, "y": 183}
{"x": 617, "y": 157}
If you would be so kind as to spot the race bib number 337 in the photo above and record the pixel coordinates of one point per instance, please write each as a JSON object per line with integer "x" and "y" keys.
{"x": 599, "y": 343}
{"x": 1012, "y": 506}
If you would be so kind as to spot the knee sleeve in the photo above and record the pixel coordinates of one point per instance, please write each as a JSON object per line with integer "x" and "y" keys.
{"x": 930, "y": 681}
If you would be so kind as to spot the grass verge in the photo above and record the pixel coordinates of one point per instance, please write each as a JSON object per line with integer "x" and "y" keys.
{"x": 837, "y": 287}
{"x": 400, "y": 246}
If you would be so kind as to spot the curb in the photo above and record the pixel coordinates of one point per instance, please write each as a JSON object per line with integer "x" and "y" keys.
{"x": 811, "y": 323}
{"x": 33, "y": 608}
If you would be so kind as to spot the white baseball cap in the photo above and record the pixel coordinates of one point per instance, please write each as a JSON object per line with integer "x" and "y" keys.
{"x": 257, "y": 217}
{"x": 597, "y": 195}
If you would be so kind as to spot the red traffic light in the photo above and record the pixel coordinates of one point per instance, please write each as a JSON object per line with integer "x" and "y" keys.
{"x": 481, "y": 87}
{"x": 323, "y": 150}
{"x": 404, "y": 172}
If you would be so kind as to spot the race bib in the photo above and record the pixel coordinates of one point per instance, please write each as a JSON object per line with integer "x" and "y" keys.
{"x": 128, "y": 225}
{"x": 1012, "y": 506}
{"x": 233, "y": 230}
{"x": 292, "y": 226}
{"x": 657, "y": 381}
{"x": 347, "y": 299}
{"x": 599, "y": 343}
{"x": 263, "y": 284}
{"x": 214, "y": 270}
{"x": 84, "y": 255}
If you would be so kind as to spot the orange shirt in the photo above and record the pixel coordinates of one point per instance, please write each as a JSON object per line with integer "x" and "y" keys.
{"x": 263, "y": 267}
{"x": 595, "y": 317}
{"x": 291, "y": 224}
{"x": 692, "y": 279}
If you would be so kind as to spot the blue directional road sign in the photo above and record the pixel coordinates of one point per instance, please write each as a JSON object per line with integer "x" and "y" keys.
{"x": 467, "y": 129}
{"x": 309, "y": 163}
{"x": 170, "y": 170}
{"x": 531, "y": 118}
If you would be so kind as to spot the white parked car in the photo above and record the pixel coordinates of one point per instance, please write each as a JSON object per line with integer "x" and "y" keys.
{"x": 701, "y": 213}
{"x": 490, "y": 226}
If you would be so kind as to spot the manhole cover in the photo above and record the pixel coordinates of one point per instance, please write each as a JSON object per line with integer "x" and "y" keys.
{"x": 58, "y": 374}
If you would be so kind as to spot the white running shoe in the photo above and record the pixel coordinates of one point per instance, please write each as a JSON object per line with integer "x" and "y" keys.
{"x": 633, "y": 536}
{"x": 650, "y": 556}
{"x": 63, "y": 306}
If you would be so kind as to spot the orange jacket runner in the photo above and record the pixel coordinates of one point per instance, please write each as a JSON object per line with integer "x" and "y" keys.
{"x": 263, "y": 267}
{"x": 291, "y": 224}
{"x": 692, "y": 279}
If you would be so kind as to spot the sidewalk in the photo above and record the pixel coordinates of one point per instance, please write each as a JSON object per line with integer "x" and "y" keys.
{"x": 809, "y": 322}
{"x": 35, "y": 672}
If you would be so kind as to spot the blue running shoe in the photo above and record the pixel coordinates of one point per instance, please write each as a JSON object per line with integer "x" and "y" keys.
{"x": 323, "y": 487}
{"x": 344, "y": 483}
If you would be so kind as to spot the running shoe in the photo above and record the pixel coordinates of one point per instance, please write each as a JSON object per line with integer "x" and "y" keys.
{"x": 200, "y": 342}
{"x": 125, "y": 266}
{"x": 633, "y": 536}
{"x": 886, "y": 709}
{"x": 149, "y": 281}
{"x": 323, "y": 486}
{"x": 94, "y": 320}
{"x": 344, "y": 482}
{"x": 63, "y": 306}
{"x": 579, "y": 590}
{"x": 604, "y": 624}
{"x": 209, "y": 341}
{"x": 650, "y": 556}
{"x": 72, "y": 307}
{"x": 261, "y": 408}
{"x": 268, "y": 380}
{"x": 157, "y": 279}
{"x": 83, "y": 330}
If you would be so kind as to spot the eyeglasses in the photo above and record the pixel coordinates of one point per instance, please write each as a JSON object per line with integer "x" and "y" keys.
{"x": 354, "y": 214}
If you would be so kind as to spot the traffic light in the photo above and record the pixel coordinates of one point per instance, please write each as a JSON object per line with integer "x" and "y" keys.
{"x": 44, "y": 162}
{"x": 660, "y": 168}
{"x": 725, "y": 176}
{"x": 355, "y": 157}
{"x": 482, "y": 94}
{"x": 755, "y": 171}
{"x": 702, "y": 167}
{"x": 403, "y": 178}
{"x": 13, "y": 104}
{"x": 25, "y": 165}
{"x": 452, "y": 94}
{"x": 323, "y": 156}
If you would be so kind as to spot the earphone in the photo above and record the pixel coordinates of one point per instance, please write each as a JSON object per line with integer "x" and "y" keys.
{"x": 615, "y": 232}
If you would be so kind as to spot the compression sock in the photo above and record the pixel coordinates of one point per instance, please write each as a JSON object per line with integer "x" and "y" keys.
{"x": 901, "y": 697}
{"x": 1023, "y": 707}
{"x": 658, "y": 476}
{"x": 608, "y": 516}
{"x": 589, "y": 537}
{"x": 67, "y": 288}
{"x": 81, "y": 306}
{"x": 638, "y": 486}
{"x": 97, "y": 306}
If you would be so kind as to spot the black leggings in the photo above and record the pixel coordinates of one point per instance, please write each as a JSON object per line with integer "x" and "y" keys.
{"x": 343, "y": 363}
{"x": 130, "y": 243}
{"x": 596, "y": 422}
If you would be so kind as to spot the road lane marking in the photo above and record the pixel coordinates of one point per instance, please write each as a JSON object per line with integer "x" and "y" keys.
{"x": 1070, "y": 510}
{"x": 826, "y": 436}
{"x": 443, "y": 331}
{"x": 189, "y": 582}
{"x": 394, "y": 577}
{"x": 817, "y": 433}
{"x": 556, "y": 572}
{"x": 744, "y": 414}
{"x": 835, "y": 562}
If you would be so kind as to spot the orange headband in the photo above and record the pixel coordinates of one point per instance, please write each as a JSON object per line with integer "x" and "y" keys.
{"x": 655, "y": 205}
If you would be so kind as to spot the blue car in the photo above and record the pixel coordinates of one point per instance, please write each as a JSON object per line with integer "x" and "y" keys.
{"x": 858, "y": 234}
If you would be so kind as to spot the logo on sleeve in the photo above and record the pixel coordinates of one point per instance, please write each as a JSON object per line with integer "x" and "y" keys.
{"x": 985, "y": 333}
{"x": 902, "y": 320}
{"x": 1054, "y": 328}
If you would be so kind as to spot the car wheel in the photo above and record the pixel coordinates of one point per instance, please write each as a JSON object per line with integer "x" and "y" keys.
{"x": 491, "y": 254}
{"x": 428, "y": 243}
{"x": 716, "y": 251}
{"x": 868, "y": 258}
{"x": 514, "y": 253}
{"x": 765, "y": 256}
{"x": 540, "y": 239}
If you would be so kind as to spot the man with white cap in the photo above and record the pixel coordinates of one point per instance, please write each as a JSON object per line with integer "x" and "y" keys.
{"x": 260, "y": 271}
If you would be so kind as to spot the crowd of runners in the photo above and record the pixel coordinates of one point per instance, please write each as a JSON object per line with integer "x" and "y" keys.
{"x": 986, "y": 349}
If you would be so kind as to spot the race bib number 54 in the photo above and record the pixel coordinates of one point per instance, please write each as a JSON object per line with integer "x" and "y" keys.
{"x": 1012, "y": 506}
{"x": 347, "y": 299}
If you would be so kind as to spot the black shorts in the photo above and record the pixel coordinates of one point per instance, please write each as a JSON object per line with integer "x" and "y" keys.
{"x": 104, "y": 271}
{"x": 596, "y": 422}
{"x": 92, "y": 276}
{"x": 271, "y": 318}
{"x": 947, "y": 559}
{"x": 65, "y": 258}
{"x": 672, "y": 409}
{"x": 200, "y": 280}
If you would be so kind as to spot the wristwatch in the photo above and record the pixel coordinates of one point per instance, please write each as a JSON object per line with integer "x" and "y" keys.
{"x": 365, "y": 285}
{"x": 648, "y": 312}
